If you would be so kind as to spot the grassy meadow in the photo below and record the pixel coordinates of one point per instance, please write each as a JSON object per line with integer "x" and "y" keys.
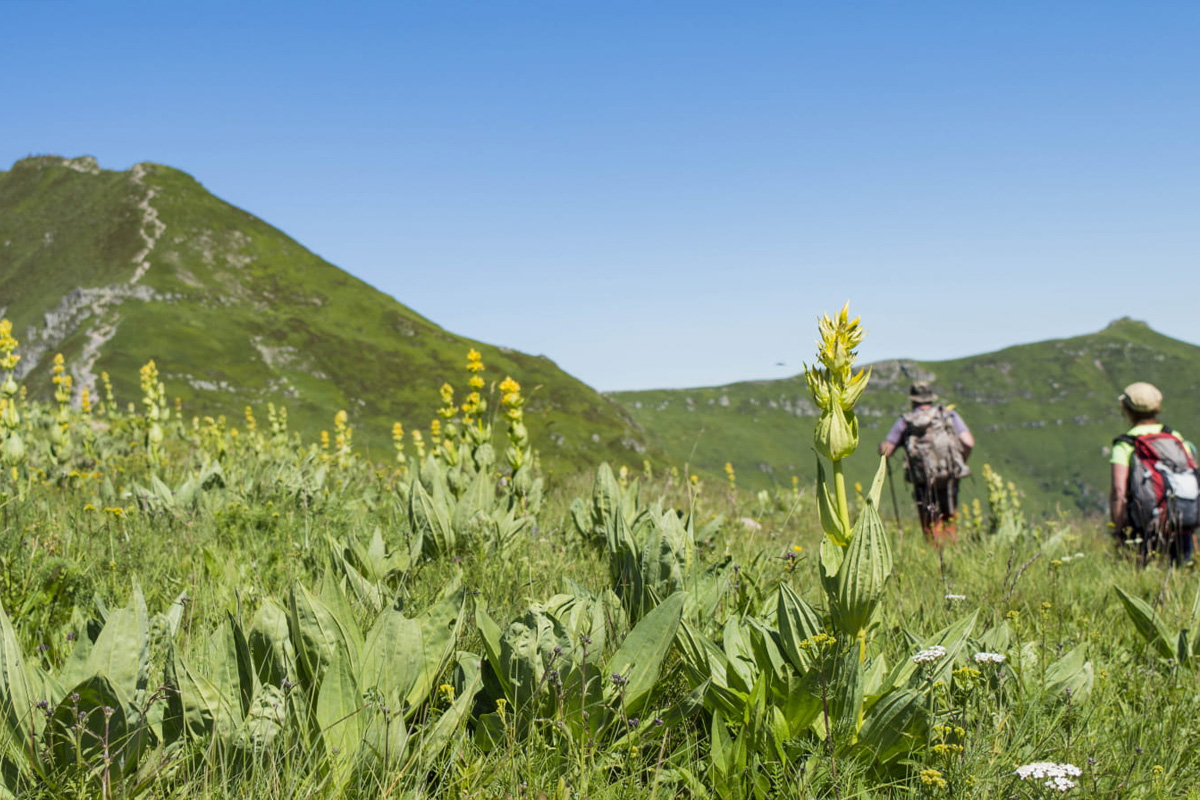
{"x": 202, "y": 608}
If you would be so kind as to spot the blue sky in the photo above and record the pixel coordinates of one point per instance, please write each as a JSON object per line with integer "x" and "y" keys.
{"x": 668, "y": 194}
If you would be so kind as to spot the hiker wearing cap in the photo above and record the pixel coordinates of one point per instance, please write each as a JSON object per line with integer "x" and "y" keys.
{"x": 1155, "y": 500}
{"x": 936, "y": 445}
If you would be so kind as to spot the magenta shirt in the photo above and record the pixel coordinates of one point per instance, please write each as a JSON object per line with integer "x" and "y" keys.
{"x": 896, "y": 434}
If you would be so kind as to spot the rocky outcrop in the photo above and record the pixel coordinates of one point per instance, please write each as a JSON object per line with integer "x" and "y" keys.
{"x": 69, "y": 316}
{"x": 152, "y": 227}
{"x": 899, "y": 373}
{"x": 85, "y": 164}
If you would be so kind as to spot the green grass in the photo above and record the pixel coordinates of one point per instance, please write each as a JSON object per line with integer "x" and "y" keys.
{"x": 67, "y": 561}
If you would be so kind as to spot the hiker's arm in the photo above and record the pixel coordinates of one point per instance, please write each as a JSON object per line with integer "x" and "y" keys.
{"x": 894, "y": 436}
{"x": 968, "y": 443}
{"x": 1117, "y": 500}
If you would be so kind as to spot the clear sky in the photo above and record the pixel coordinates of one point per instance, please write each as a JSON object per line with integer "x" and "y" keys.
{"x": 668, "y": 193}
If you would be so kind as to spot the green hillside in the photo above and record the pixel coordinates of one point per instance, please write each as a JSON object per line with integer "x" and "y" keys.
{"x": 1043, "y": 414}
{"x": 113, "y": 269}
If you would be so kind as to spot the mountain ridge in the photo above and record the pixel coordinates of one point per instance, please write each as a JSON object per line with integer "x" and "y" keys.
{"x": 113, "y": 268}
{"x": 1010, "y": 397}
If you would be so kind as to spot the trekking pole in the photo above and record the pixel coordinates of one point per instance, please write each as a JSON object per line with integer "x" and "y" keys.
{"x": 895, "y": 505}
{"x": 891, "y": 483}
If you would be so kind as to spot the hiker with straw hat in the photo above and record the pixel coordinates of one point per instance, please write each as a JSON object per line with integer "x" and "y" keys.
{"x": 936, "y": 445}
{"x": 1154, "y": 505}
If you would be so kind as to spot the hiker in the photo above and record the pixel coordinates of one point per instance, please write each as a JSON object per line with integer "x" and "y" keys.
{"x": 1154, "y": 504}
{"x": 937, "y": 444}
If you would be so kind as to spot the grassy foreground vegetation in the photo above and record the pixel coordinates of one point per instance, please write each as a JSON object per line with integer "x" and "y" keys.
{"x": 199, "y": 610}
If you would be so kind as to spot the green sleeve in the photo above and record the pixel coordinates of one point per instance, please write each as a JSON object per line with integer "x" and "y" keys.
{"x": 1122, "y": 453}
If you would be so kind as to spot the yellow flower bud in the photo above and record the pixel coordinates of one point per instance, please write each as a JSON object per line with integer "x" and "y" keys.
{"x": 836, "y": 434}
{"x": 834, "y": 385}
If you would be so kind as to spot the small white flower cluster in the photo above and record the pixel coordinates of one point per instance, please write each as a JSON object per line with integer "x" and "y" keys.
{"x": 1065, "y": 559}
{"x": 930, "y": 656}
{"x": 956, "y": 597}
{"x": 1053, "y": 776}
{"x": 990, "y": 658}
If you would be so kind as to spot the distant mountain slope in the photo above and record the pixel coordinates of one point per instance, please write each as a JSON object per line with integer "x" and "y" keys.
{"x": 1043, "y": 414}
{"x": 115, "y": 268}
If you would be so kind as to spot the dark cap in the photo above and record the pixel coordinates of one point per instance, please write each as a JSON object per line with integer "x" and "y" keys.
{"x": 920, "y": 392}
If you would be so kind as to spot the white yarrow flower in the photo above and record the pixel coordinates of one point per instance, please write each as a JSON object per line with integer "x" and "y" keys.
{"x": 956, "y": 597}
{"x": 990, "y": 658}
{"x": 1053, "y": 776}
{"x": 930, "y": 656}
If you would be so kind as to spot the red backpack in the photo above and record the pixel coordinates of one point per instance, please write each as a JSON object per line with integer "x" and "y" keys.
{"x": 1164, "y": 486}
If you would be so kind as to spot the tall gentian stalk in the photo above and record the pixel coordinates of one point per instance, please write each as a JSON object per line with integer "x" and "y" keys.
{"x": 835, "y": 389}
{"x": 856, "y": 562}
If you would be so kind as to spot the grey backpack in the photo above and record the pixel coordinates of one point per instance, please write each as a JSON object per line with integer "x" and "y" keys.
{"x": 935, "y": 453}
